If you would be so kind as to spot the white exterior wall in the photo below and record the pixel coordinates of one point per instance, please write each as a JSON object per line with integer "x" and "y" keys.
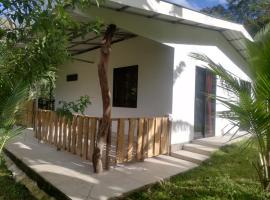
{"x": 184, "y": 89}
{"x": 155, "y": 63}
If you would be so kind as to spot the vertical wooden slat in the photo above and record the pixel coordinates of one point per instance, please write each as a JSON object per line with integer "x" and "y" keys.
{"x": 131, "y": 130}
{"x": 169, "y": 135}
{"x": 145, "y": 138}
{"x": 79, "y": 137}
{"x": 74, "y": 134}
{"x": 69, "y": 134}
{"x": 151, "y": 134}
{"x": 60, "y": 133}
{"x": 51, "y": 127}
{"x": 42, "y": 125}
{"x": 47, "y": 126}
{"x": 36, "y": 123}
{"x": 39, "y": 125}
{"x": 108, "y": 147}
{"x": 31, "y": 114}
{"x": 92, "y": 136}
{"x": 120, "y": 147}
{"x": 157, "y": 136}
{"x": 56, "y": 130}
{"x": 139, "y": 139}
{"x": 164, "y": 136}
{"x": 85, "y": 137}
{"x": 35, "y": 128}
{"x": 64, "y": 144}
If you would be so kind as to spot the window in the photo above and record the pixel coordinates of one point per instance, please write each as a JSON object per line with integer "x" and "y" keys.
{"x": 125, "y": 86}
{"x": 72, "y": 77}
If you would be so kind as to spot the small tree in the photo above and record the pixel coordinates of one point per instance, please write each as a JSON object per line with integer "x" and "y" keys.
{"x": 34, "y": 37}
{"x": 251, "y": 107}
{"x": 105, "y": 124}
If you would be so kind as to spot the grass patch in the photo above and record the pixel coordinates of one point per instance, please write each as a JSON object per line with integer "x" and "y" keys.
{"x": 9, "y": 189}
{"x": 229, "y": 174}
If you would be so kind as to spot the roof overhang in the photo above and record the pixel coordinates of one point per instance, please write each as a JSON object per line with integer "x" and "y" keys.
{"x": 234, "y": 33}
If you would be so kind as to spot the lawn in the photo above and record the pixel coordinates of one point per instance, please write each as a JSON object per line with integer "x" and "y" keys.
{"x": 229, "y": 174}
{"x": 9, "y": 189}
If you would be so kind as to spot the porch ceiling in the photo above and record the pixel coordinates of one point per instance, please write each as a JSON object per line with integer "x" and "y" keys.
{"x": 92, "y": 41}
{"x": 234, "y": 33}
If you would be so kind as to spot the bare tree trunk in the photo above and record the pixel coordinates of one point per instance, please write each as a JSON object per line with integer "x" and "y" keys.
{"x": 104, "y": 126}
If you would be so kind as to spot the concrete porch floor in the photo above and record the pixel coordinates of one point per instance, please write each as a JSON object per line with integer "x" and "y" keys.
{"x": 74, "y": 177}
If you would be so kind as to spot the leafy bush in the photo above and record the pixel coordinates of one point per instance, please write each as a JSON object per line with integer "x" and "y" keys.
{"x": 78, "y": 106}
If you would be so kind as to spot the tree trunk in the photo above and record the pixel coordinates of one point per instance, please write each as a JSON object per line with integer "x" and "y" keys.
{"x": 105, "y": 123}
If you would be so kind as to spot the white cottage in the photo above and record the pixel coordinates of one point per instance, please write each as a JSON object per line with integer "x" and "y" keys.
{"x": 151, "y": 73}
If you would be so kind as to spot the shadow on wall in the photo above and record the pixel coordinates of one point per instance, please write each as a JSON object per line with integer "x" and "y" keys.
{"x": 179, "y": 126}
{"x": 178, "y": 71}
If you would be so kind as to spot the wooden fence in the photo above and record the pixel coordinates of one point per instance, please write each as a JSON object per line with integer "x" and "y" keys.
{"x": 26, "y": 117}
{"x": 131, "y": 139}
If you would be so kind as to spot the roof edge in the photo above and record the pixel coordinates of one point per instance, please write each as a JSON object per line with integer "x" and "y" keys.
{"x": 182, "y": 13}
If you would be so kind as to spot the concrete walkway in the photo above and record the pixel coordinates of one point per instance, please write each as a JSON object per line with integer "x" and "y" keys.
{"x": 74, "y": 177}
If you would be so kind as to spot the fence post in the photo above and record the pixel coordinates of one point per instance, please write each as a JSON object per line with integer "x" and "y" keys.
{"x": 108, "y": 148}
{"x": 131, "y": 130}
{"x": 151, "y": 135}
{"x": 120, "y": 147}
{"x": 170, "y": 121}
{"x": 140, "y": 139}
{"x": 85, "y": 137}
{"x": 92, "y": 137}
{"x": 74, "y": 134}
{"x": 80, "y": 134}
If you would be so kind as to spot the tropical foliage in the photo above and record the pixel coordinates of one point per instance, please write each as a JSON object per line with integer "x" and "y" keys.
{"x": 68, "y": 108}
{"x": 34, "y": 38}
{"x": 250, "y": 109}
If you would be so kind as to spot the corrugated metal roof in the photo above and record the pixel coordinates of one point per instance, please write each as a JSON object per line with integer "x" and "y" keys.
{"x": 234, "y": 33}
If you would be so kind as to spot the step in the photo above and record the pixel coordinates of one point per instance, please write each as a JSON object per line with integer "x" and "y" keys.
{"x": 208, "y": 143}
{"x": 200, "y": 149}
{"x": 189, "y": 156}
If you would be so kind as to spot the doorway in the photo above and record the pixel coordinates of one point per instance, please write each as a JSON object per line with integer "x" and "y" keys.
{"x": 205, "y": 105}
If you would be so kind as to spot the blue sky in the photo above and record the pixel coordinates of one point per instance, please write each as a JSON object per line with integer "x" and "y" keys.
{"x": 198, "y": 4}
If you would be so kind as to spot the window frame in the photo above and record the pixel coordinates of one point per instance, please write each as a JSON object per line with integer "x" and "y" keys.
{"x": 118, "y": 83}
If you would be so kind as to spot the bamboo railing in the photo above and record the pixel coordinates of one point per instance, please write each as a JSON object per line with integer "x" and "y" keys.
{"x": 131, "y": 139}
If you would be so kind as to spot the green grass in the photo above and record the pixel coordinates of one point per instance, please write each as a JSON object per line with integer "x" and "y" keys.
{"x": 9, "y": 189}
{"x": 229, "y": 174}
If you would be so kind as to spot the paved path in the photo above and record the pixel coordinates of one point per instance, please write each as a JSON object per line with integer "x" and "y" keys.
{"x": 74, "y": 177}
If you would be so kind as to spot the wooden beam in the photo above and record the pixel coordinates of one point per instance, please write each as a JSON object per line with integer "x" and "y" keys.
{"x": 83, "y": 60}
{"x": 78, "y": 52}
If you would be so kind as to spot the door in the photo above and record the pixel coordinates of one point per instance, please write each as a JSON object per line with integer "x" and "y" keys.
{"x": 205, "y": 105}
